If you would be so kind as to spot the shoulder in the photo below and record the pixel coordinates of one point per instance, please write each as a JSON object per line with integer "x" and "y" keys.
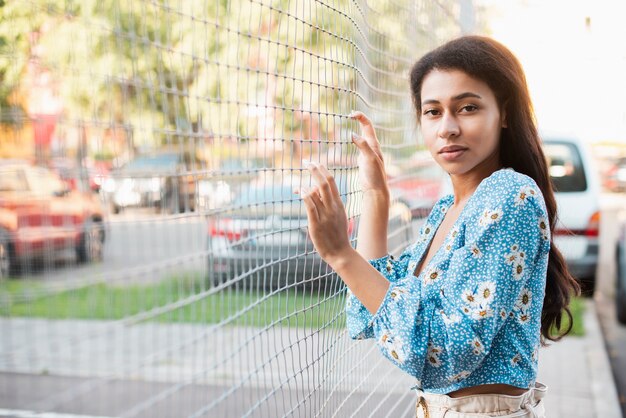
{"x": 509, "y": 194}
{"x": 507, "y": 188}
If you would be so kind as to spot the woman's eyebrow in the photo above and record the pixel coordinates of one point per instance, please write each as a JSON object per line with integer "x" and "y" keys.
{"x": 455, "y": 98}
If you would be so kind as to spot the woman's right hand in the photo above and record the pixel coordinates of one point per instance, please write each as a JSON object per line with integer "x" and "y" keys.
{"x": 372, "y": 175}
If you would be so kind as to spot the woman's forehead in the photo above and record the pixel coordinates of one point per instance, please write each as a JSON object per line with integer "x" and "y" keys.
{"x": 447, "y": 85}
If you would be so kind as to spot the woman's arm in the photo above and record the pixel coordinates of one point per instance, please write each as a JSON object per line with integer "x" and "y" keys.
{"x": 363, "y": 280}
{"x": 372, "y": 232}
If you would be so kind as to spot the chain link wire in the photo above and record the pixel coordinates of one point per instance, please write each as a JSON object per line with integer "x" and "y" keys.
{"x": 164, "y": 268}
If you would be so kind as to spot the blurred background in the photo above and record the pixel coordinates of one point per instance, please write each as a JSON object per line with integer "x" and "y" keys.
{"x": 154, "y": 261}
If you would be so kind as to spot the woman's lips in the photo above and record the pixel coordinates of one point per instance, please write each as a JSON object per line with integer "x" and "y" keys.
{"x": 453, "y": 155}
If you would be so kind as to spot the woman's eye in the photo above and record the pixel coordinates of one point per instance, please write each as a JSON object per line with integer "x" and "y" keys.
{"x": 469, "y": 108}
{"x": 431, "y": 112}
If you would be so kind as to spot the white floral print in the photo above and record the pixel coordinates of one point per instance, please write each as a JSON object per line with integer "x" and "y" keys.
{"x": 486, "y": 292}
{"x": 476, "y": 251}
{"x": 544, "y": 228}
{"x": 433, "y": 355}
{"x": 432, "y": 275}
{"x": 397, "y": 293}
{"x": 469, "y": 297}
{"x": 460, "y": 376}
{"x": 477, "y": 346}
{"x": 451, "y": 319}
{"x": 394, "y": 347}
{"x": 516, "y": 359}
{"x": 524, "y": 299}
{"x": 490, "y": 217}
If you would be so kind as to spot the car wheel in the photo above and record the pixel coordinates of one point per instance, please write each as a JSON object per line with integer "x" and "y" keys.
{"x": 5, "y": 260}
{"x": 620, "y": 300}
{"x": 91, "y": 245}
{"x": 8, "y": 262}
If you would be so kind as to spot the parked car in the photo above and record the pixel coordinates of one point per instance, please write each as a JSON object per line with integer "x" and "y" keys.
{"x": 41, "y": 217}
{"x": 80, "y": 177}
{"x": 261, "y": 240}
{"x": 577, "y": 191}
{"x": 620, "y": 259}
{"x": 419, "y": 188}
{"x": 165, "y": 180}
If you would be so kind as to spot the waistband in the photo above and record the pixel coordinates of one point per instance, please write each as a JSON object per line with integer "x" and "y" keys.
{"x": 485, "y": 403}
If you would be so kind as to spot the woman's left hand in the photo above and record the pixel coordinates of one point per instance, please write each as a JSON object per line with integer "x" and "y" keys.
{"x": 328, "y": 222}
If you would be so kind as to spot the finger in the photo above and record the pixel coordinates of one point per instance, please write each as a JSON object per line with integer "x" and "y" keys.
{"x": 331, "y": 182}
{"x": 365, "y": 147}
{"x": 314, "y": 194}
{"x": 309, "y": 204}
{"x": 322, "y": 182}
{"x": 367, "y": 128}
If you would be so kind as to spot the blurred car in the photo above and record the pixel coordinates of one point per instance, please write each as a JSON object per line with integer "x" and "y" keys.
{"x": 419, "y": 188}
{"x": 615, "y": 176}
{"x": 262, "y": 240}
{"x": 41, "y": 217}
{"x": 165, "y": 180}
{"x": 79, "y": 177}
{"x": 577, "y": 192}
{"x": 620, "y": 259}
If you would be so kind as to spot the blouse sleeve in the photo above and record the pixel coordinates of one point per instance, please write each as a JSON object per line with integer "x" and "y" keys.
{"x": 451, "y": 324}
{"x": 358, "y": 318}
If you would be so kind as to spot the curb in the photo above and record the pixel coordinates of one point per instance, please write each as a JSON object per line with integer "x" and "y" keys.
{"x": 602, "y": 385}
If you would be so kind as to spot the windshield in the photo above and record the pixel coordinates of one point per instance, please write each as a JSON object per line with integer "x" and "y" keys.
{"x": 565, "y": 167}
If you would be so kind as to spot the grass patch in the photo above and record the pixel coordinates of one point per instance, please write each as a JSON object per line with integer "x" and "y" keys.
{"x": 244, "y": 307}
{"x": 577, "y": 306}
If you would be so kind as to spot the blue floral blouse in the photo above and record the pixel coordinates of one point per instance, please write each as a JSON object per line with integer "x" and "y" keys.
{"x": 473, "y": 315}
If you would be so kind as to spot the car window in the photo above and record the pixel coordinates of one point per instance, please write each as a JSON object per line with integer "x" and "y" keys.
{"x": 12, "y": 180}
{"x": 565, "y": 167}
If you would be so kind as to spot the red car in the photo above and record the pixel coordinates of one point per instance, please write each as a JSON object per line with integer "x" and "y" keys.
{"x": 40, "y": 217}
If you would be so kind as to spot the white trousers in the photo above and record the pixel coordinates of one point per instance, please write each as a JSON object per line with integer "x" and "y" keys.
{"x": 528, "y": 405}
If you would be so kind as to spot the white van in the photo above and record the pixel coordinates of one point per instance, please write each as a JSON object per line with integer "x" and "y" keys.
{"x": 577, "y": 191}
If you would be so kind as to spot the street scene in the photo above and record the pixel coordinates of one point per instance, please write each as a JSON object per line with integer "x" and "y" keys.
{"x": 157, "y": 253}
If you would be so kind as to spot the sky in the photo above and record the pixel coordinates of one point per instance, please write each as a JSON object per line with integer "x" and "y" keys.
{"x": 574, "y": 56}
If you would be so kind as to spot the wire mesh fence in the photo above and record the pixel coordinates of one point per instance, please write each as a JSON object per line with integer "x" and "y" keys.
{"x": 154, "y": 260}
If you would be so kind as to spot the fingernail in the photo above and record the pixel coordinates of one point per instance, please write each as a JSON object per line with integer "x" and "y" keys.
{"x": 355, "y": 137}
{"x": 352, "y": 114}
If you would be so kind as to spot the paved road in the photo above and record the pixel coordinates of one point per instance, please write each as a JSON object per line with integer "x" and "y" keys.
{"x": 140, "y": 246}
{"x": 614, "y": 212}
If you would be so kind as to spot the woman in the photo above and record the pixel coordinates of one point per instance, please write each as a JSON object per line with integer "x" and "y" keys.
{"x": 466, "y": 307}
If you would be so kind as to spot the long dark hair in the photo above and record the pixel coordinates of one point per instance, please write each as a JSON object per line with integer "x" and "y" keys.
{"x": 520, "y": 146}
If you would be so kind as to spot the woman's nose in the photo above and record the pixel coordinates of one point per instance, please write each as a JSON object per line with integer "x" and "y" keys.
{"x": 448, "y": 126}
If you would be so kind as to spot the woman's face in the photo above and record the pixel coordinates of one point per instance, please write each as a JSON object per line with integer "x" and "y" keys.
{"x": 460, "y": 122}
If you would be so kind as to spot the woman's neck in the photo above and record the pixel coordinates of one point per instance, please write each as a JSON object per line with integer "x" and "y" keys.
{"x": 465, "y": 184}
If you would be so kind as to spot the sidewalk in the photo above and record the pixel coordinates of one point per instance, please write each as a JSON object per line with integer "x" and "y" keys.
{"x": 578, "y": 375}
{"x": 107, "y": 368}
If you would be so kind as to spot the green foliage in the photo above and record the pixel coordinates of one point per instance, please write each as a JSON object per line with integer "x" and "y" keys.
{"x": 221, "y": 65}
